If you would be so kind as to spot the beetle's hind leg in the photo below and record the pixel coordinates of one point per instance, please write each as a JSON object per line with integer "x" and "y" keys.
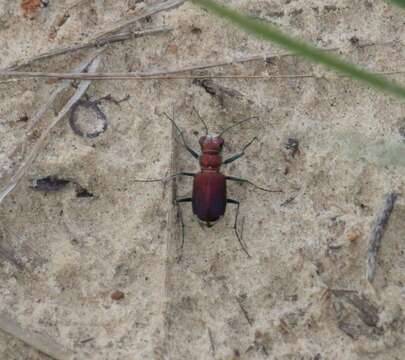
{"x": 178, "y": 201}
{"x": 235, "y": 225}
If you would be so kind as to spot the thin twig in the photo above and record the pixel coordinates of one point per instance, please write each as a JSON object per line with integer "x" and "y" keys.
{"x": 289, "y": 200}
{"x": 76, "y": 3}
{"x": 93, "y": 43}
{"x": 11, "y": 258}
{"x": 172, "y": 254}
{"x": 7, "y": 254}
{"x": 84, "y": 341}
{"x": 51, "y": 98}
{"x": 164, "y": 72}
{"x": 377, "y": 234}
{"x": 165, "y": 6}
{"x": 39, "y": 342}
{"x": 161, "y": 75}
{"x": 244, "y": 311}
{"x": 82, "y": 88}
{"x": 140, "y": 76}
{"x": 211, "y": 338}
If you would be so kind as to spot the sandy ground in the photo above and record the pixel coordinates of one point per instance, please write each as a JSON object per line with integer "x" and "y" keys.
{"x": 286, "y": 301}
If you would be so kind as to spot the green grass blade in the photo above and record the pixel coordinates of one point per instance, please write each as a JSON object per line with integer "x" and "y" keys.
{"x": 271, "y": 33}
{"x": 399, "y": 2}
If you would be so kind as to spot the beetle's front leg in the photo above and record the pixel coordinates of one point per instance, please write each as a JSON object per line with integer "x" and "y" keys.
{"x": 239, "y": 155}
{"x": 251, "y": 183}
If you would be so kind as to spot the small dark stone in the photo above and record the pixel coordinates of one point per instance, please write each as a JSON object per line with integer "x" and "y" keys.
{"x": 354, "y": 40}
{"x": 23, "y": 118}
{"x": 277, "y": 14}
{"x": 329, "y": 8}
{"x": 401, "y": 129}
{"x": 292, "y": 145}
{"x": 368, "y": 4}
{"x": 83, "y": 193}
{"x": 196, "y": 30}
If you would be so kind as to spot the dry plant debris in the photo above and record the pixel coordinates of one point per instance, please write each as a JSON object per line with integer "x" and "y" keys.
{"x": 377, "y": 233}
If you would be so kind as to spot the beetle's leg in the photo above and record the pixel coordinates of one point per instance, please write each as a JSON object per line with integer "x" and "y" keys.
{"x": 238, "y": 155}
{"x": 235, "y": 225}
{"x": 167, "y": 178}
{"x": 188, "y": 148}
{"x": 249, "y": 182}
{"x": 178, "y": 201}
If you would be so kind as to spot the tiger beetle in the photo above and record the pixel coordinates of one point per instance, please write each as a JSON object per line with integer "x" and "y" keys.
{"x": 209, "y": 198}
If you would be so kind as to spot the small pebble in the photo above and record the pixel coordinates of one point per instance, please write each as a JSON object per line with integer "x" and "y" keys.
{"x": 30, "y": 6}
{"x": 353, "y": 235}
{"x": 117, "y": 295}
{"x": 293, "y": 146}
{"x": 172, "y": 49}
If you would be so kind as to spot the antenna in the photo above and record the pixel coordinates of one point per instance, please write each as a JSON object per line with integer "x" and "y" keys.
{"x": 238, "y": 123}
{"x": 202, "y": 120}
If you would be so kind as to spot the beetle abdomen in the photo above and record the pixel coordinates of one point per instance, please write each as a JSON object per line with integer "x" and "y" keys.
{"x": 209, "y": 195}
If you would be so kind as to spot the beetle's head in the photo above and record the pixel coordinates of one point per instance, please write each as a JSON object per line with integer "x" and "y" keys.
{"x": 211, "y": 143}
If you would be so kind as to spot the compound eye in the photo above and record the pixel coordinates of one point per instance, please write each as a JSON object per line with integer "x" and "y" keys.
{"x": 202, "y": 140}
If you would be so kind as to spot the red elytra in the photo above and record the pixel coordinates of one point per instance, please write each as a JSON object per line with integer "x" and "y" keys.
{"x": 209, "y": 186}
{"x": 209, "y": 197}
